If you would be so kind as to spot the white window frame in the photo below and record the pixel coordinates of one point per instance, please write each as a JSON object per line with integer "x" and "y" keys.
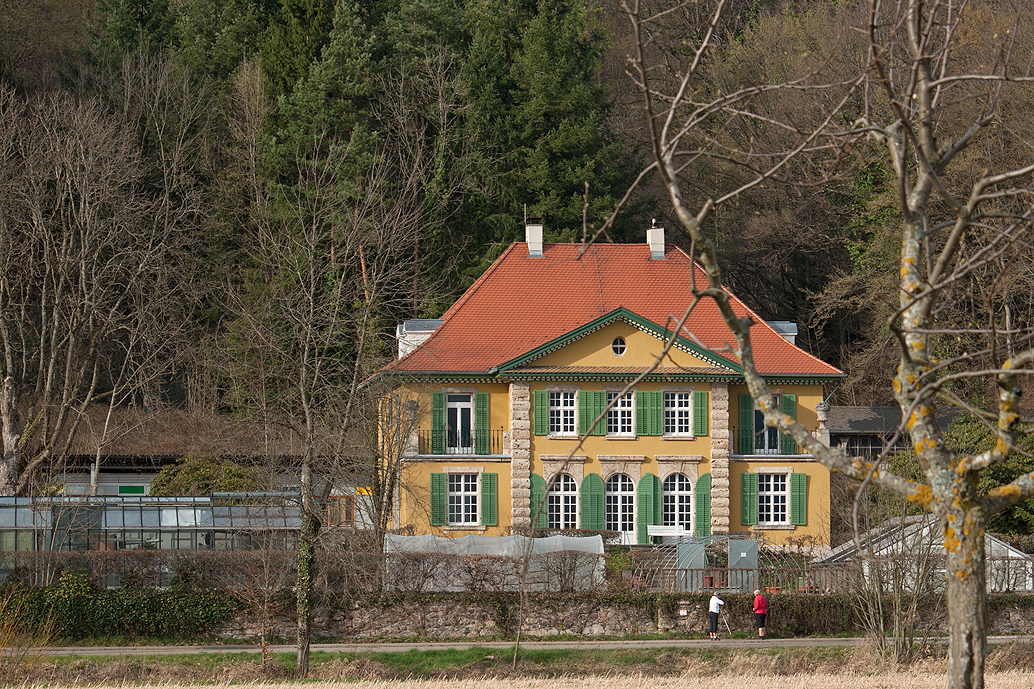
{"x": 563, "y": 417}
{"x": 621, "y": 414}
{"x": 461, "y": 498}
{"x": 677, "y": 501}
{"x": 562, "y": 507}
{"x": 619, "y": 504}
{"x": 451, "y": 435}
{"x": 773, "y": 496}
{"x": 678, "y": 415}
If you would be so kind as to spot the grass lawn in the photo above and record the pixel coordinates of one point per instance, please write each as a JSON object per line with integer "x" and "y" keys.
{"x": 599, "y": 669}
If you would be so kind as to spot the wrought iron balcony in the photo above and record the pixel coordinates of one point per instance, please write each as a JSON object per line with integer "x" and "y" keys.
{"x": 768, "y": 441}
{"x": 460, "y": 443}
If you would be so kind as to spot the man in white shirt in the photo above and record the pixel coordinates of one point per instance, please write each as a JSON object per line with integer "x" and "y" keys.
{"x": 714, "y": 609}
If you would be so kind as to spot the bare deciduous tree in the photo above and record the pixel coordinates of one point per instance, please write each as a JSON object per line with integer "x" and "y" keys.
{"x": 930, "y": 98}
{"x": 326, "y": 265}
{"x": 88, "y": 276}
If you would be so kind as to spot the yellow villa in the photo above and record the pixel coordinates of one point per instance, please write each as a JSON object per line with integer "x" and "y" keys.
{"x": 503, "y": 387}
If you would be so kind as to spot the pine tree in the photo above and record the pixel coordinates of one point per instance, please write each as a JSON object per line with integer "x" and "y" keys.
{"x": 297, "y": 34}
{"x": 216, "y": 35}
{"x": 332, "y": 100}
{"x": 560, "y": 119}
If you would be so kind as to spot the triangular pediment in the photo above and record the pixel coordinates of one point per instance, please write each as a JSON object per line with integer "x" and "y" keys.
{"x": 595, "y": 344}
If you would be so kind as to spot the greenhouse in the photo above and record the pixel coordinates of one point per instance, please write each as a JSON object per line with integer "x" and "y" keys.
{"x": 72, "y": 523}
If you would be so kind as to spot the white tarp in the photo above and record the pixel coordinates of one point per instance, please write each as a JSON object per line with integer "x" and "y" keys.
{"x": 435, "y": 563}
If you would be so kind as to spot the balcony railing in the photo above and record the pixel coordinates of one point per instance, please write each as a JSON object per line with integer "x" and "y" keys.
{"x": 767, "y": 442}
{"x": 458, "y": 443}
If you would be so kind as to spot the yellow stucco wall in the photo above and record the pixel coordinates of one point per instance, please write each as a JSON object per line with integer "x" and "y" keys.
{"x": 815, "y": 532}
{"x": 641, "y": 349}
{"x": 635, "y": 456}
{"x": 645, "y": 446}
{"x": 415, "y": 495}
{"x": 807, "y": 397}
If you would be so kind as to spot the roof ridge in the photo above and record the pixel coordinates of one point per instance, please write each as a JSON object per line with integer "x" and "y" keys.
{"x": 599, "y": 280}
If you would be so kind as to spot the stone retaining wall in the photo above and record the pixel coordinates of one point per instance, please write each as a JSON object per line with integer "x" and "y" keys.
{"x": 489, "y": 617}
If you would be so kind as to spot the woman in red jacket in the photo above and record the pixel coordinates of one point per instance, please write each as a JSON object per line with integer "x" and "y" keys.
{"x": 760, "y": 612}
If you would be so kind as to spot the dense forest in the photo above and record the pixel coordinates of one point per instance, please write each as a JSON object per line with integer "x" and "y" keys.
{"x": 199, "y": 195}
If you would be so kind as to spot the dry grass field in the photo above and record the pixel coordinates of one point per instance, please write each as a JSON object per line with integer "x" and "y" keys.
{"x": 1009, "y": 666}
{"x": 897, "y": 680}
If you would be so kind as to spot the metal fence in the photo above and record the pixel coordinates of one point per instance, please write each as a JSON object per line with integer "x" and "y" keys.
{"x": 1004, "y": 574}
{"x": 771, "y": 580}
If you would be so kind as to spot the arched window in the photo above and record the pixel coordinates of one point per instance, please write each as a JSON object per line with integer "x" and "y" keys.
{"x": 619, "y": 503}
{"x": 677, "y": 504}
{"x": 563, "y": 503}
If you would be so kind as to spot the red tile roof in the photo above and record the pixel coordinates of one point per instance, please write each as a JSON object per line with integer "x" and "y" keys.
{"x": 522, "y": 302}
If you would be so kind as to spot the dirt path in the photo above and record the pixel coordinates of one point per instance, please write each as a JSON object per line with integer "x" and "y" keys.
{"x": 461, "y": 645}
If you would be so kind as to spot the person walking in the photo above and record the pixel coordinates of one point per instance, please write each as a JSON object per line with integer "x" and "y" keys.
{"x": 760, "y": 612}
{"x": 714, "y": 609}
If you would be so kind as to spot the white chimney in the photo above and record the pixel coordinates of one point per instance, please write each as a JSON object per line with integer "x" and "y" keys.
{"x": 533, "y": 235}
{"x": 788, "y": 329}
{"x": 412, "y": 333}
{"x": 655, "y": 238}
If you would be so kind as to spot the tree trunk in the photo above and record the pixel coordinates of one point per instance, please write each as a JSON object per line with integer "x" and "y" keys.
{"x": 967, "y": 605}
{"x": 303, "y": 593}
{"x": 306, "y": 564}
{"x": 8, "y": 427}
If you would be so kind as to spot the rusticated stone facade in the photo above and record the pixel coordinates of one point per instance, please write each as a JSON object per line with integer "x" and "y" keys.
{"x": 720, "y": 458}
{"x": 520, "y": 453}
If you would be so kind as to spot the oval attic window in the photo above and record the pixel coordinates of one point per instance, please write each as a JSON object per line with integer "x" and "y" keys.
{"x": 618, "y": 345}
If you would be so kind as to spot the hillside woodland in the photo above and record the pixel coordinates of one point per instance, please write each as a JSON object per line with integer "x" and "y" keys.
{"x": 227, "y": 206}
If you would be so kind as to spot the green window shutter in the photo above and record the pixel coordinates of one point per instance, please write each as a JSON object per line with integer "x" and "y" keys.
{"x": 591, "y": 503}
{"x": 541, "y": 408}
{"x": 649, "y": 506}
{"x": 649, "y": 412}
{"x": 489, "y": 499}
{"x": 591, "y": 404}
{"x": 656, "y": 413}
{"x": 798, "y": 499}
{"x": 538, "y": 500}
{"x": 439, "y": 499}
{"x": 482, "y": 446}
{"x": 703, "y": 506}
{"x": 585, "y": 416}
{"x": 438, "y": 423}
{"x": 746, "y": 431}
{"x": 788, "y": 445}
{"x": 642, "y": 414}
{"x": 748, "y": 498}
{"x": 700, "y": 412}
